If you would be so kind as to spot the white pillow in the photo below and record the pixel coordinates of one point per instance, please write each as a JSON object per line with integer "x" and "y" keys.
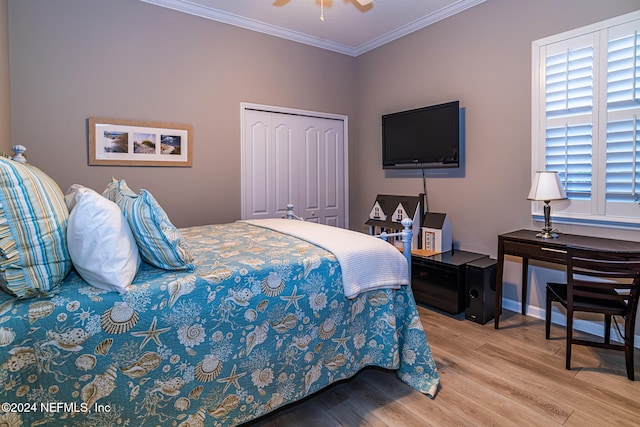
{"x": 70, "y": 197}
{"x": 100, "y": 242}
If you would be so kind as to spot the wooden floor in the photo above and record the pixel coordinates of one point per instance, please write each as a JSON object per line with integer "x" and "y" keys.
{"x": 506, "y": 377}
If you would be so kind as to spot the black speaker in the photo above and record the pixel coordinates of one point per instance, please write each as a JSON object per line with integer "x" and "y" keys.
{"x": 481, "y": 290}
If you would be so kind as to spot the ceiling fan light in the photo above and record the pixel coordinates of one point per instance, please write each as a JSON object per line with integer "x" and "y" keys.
{"x": 364, "y": 2}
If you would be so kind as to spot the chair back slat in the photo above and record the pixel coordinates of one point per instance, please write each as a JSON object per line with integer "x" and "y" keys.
{"x": 610, "y": 276}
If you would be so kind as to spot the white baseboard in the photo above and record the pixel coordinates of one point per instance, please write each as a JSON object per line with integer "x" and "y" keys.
{"x": 559, "y": 318}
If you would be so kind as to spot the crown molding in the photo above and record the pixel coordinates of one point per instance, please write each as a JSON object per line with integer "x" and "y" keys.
{"x": 416, "y": 25}
{"x": 262, "y": 27}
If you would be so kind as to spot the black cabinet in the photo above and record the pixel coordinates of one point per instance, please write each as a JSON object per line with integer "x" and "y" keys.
{"x": 438, "y": 280}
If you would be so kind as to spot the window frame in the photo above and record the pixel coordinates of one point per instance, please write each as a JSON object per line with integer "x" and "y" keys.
{"x": 593, "y": 211}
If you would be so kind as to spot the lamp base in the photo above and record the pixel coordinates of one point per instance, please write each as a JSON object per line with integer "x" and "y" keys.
{"x": 547, "y": 233}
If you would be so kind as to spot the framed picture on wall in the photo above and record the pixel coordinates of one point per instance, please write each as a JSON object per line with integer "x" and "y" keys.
{"x": 120, "y": 142}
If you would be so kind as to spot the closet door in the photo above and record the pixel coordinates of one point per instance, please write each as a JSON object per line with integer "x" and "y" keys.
{"x": 322, "y": 171}
{"x": 297, "y": 159}
{"x": 268, "y": 171}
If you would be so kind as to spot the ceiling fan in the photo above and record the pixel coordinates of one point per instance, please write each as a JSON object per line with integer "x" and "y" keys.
{"x": 363, "y": 4}
{"x": 360, "y": 2}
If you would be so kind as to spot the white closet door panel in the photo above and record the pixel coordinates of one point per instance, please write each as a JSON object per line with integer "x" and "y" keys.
{"x": 331, "y": 172}
{"x": 284, "y": 169}
{"x": 259, "y": 170}
{"x": 311, "y": 172}
{"x": 332, "y": 220}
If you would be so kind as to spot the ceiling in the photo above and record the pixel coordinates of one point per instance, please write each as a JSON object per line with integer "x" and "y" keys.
{"x": 348, "y": 27}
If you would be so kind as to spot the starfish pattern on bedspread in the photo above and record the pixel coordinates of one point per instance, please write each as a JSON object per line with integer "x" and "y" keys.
{"x": 260, "y": 323}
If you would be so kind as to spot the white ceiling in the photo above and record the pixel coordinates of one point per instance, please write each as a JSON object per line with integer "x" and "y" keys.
{"x": 348, "y": 27}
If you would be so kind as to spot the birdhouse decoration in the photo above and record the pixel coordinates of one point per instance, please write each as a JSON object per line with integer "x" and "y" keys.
{"x": 436, "y": 232}
{"x": 387, "y": 214}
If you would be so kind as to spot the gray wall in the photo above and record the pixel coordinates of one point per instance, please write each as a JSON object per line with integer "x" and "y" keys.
{"x": 5, "y": 101}
{"x": 71, "y": 59}
{"x": 483, "y": 58}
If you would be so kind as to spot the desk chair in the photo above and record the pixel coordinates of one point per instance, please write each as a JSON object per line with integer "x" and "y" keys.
{"x": 599, "y": 282}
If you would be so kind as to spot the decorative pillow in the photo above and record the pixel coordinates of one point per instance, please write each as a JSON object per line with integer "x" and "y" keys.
{"x": 33, "y": 228}
{"x": 100, "y": 241}
{"x": 159, "y": 241}
{"x": 70, "y": 197}
{"x": 115, "y": 188}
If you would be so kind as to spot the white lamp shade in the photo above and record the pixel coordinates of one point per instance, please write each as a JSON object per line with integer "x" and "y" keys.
{"x": 546, "y": 186}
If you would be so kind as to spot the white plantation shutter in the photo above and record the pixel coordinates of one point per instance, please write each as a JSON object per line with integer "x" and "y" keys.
{"x": 569, "y": 94}
{"x": 586, "y": 118}
{"x": 569, "y": 81}
{"x": 568, "y": 152}
{"x": 623, "y": 160}
{"x": 623, "y": 77}
{"x": 623, "y": 96}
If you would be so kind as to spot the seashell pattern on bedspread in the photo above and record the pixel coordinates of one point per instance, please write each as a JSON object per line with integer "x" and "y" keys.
{"x": 260, "y": 323}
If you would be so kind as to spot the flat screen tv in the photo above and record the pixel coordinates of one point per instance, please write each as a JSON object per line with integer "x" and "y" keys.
{"x": 422, "y": 138}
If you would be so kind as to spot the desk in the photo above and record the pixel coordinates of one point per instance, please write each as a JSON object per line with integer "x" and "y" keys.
{"x": 525, "y": 244}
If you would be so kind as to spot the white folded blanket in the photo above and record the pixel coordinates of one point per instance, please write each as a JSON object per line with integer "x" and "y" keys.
{"x": 366, "y": 262}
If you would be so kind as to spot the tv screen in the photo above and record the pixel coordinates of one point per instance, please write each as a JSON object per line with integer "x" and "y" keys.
{"x": 427, "y": 137}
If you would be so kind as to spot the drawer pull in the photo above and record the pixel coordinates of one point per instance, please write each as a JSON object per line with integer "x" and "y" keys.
{"x": 562, "y": 251}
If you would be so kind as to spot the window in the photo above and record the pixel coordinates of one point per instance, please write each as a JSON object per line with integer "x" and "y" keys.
{"x": 586, "y": 120}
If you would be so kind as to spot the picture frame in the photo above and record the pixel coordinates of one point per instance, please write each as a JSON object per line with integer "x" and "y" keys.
{"x": 121, "y": 142}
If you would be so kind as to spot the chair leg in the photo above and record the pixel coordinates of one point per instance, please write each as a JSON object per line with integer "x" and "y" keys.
{"x": 628, "y": 355}
{"x": 569, "y": 338}
{"x": 629, "y": 332}
{"x": 607, "y": 328}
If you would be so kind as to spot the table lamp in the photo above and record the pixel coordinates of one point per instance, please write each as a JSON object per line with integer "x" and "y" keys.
{"x": 546, "y": 187}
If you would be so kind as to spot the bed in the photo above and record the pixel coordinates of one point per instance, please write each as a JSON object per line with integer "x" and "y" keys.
{"x": 247, "y": 319}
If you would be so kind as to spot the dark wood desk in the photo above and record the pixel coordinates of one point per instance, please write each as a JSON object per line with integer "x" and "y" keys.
{"x": 525, "y": 244}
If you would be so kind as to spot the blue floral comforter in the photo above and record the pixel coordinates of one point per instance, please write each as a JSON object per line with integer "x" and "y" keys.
{"x": 260, "y": 323}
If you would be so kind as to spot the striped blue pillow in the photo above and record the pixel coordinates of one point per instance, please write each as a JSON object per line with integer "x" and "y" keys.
{"x": 116, "y": 188}
{"x": 33, "y": 227}
{"x": 159, "y": 241}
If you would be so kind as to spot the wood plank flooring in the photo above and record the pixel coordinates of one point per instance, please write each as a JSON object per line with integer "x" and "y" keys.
{"x": 506, "y": 377}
